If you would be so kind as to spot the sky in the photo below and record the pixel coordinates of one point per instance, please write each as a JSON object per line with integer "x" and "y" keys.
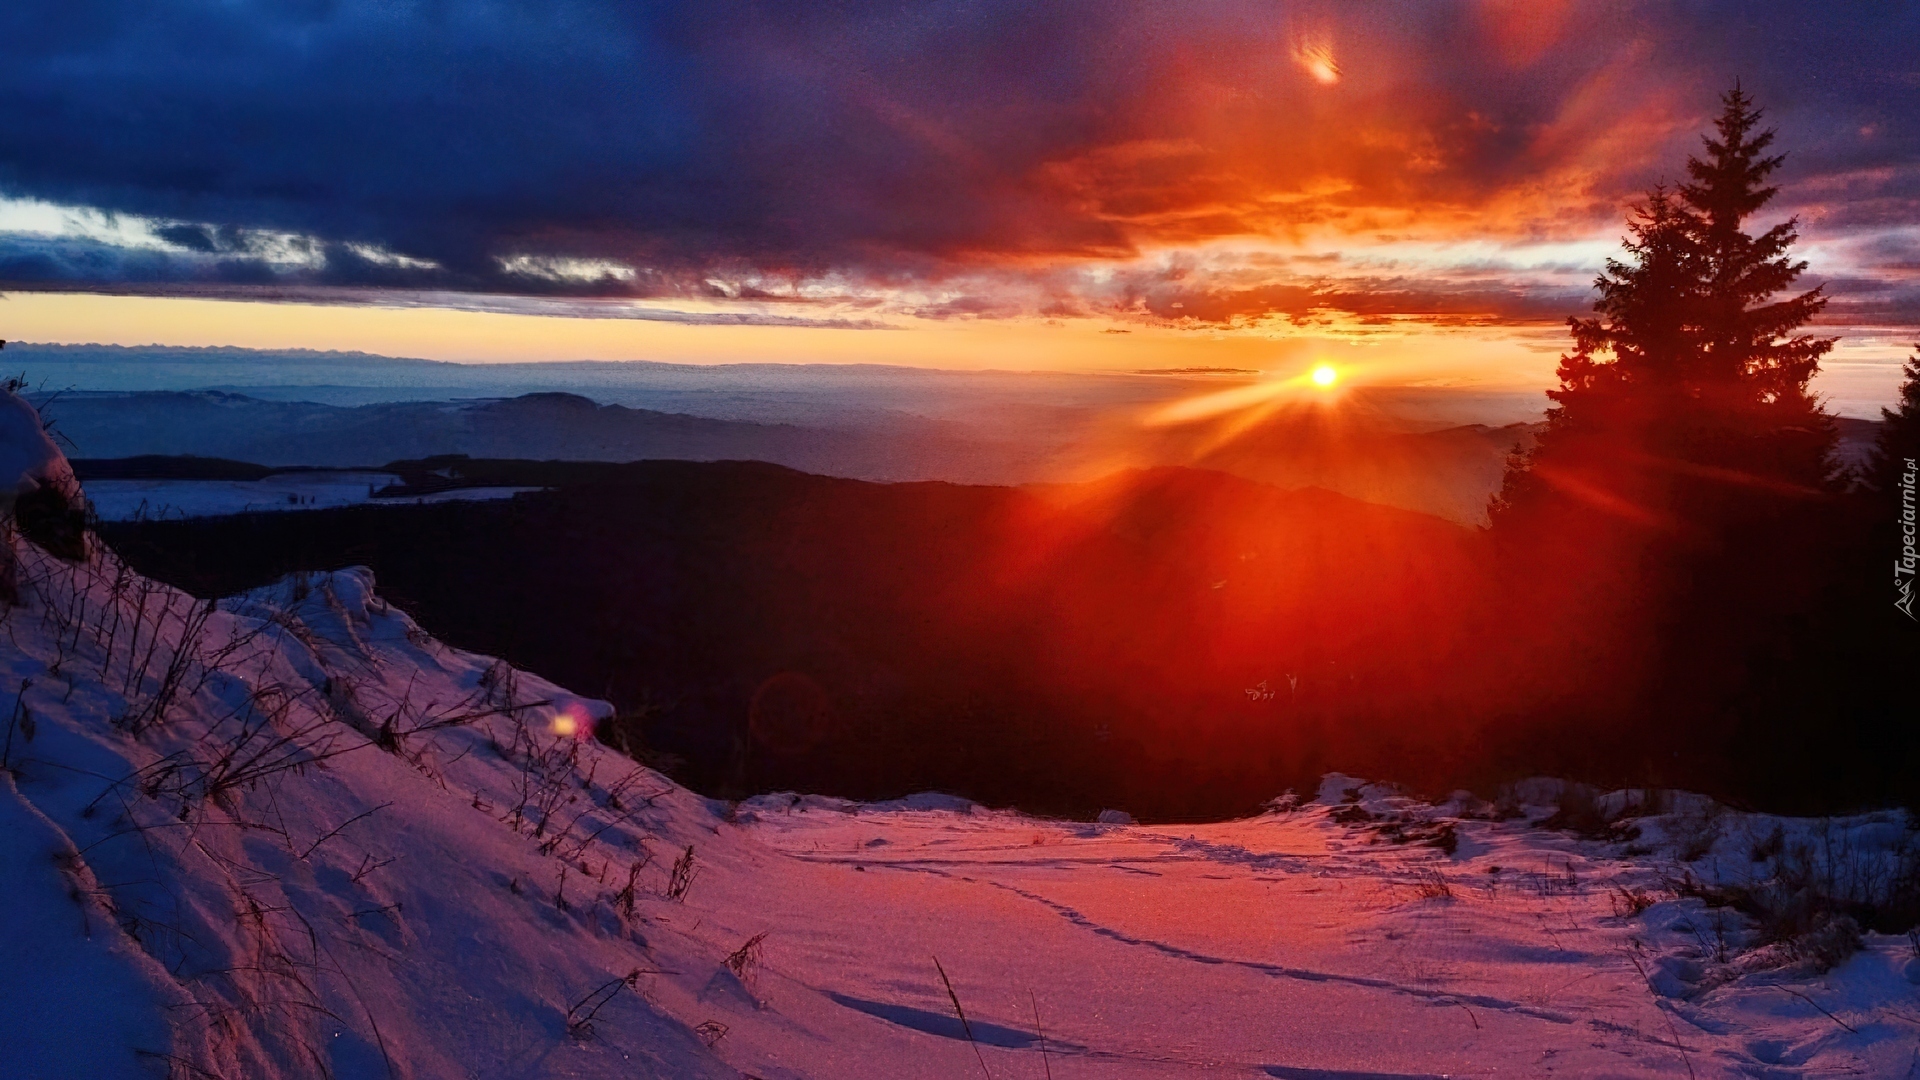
{"x": 1420, "y": 191}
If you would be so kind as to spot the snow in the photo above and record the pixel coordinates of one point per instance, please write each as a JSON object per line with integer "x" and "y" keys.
{"x": 131, "y": 500}
{"x": 1295, "y": 945}
{"x": 294, "y": 835}
{"x": 28, "y": 457}
{"x": 78, "y": 995}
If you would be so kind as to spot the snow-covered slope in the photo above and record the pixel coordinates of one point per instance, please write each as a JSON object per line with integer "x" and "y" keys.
{"x": 292, "y": 835}
{"x": 296, "y": 837}
{"x": 159, "y": 500}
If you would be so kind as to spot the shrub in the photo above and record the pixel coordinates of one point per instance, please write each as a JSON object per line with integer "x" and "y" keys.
{"x": 1827, "y": 945}
{"x": 1577, "y": 809}
{"x": 54, "y": 523}
{"x": 1823, "y": 894}
{"x": 1630, "y": 902}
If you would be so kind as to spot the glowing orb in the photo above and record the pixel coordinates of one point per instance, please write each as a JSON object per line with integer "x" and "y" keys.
{"x": 1324, "y": 375}
{"x": 1318, "y": 60}
{"x": 565, "y": 726}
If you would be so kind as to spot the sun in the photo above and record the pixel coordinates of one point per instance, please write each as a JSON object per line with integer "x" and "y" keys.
{"x": 1324, "y": 375}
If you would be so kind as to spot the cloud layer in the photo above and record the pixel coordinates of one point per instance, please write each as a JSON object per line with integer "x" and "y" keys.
{"x": 946, "y": 159}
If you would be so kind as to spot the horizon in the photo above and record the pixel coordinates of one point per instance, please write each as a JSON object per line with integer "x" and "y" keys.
{"x": 1863, "y": 401}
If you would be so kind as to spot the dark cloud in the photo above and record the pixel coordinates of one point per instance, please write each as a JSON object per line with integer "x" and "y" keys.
{"x": 1870, "y": 301}
{"x": 252, "y": 283}
{"x": 66, "y": 262}
{"x": 891, "y": 141}
{"x": 191, "y": 237}
{"x": 1209, "y": 300}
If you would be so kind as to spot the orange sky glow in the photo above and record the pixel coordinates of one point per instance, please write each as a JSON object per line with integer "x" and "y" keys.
{"x": 1420, "y": 196}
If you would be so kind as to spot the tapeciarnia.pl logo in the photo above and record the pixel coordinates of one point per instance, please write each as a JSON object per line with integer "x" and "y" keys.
{"x": 1903, "y": 567}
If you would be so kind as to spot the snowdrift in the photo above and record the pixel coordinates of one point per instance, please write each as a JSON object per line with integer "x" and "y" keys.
{"x": 289, "y": 834}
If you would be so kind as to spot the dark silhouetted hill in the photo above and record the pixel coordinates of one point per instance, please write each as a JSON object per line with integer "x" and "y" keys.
{"x": 1175, "y": 641}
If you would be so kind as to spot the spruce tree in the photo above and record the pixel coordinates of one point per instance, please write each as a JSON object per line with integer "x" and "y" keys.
{"x": 1664, "y": 538}
{"x": 1690, "y": 382}
{"x": 1889, "y": 479}
{"x": 1899, "y": 432}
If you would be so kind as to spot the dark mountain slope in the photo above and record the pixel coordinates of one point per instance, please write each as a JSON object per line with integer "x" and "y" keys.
{"x": 1177, "y": 642}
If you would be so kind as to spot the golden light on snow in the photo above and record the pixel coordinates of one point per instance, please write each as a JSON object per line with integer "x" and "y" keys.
{"x": 565, "y": 726}
{"x": 1325, "y": 375}
{"x": 1318, "y": 60}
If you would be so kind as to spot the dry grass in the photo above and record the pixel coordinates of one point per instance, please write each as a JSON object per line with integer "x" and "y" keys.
{"x": 965, "y": 1027}
{"x": 1431, "y": 885}
{"x": 1678, "y": 1046}
{"x": 1628, "y": 902}
{"x": 581, "y": 1013}
{"x": 628, "y": 896}
{"x": 680, "y": 878}
{"x": 1041, "y": 1034}
{"x": 743, "y": 960}
{"x": 1821, "y": 894}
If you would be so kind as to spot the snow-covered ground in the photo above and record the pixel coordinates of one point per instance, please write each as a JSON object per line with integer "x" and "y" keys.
{"x": 148, "y": 500}
{"x": 1301, "y": 945}
{"x": 293, "y": 835}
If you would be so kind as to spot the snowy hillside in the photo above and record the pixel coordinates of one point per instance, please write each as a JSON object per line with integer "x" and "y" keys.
{"x": 292, "y": 835}
{"x": 156, "y": 500}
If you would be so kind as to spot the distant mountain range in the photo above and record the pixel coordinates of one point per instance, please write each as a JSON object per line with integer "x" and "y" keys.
{"x": 1447, "y": 472}
{"x": 841, "y": 395}
{"x": 1450, "y": 472}
{"x": 211, "y": 423}
{"x": 1436, "y": 450}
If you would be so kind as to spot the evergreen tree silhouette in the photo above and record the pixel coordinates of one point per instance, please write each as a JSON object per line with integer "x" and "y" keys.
{"x": 1899, "y": 433}
{"x": 1889, "y": 492}
{"x": 1690, "y": 381}
{"x": 1664, "y": 535}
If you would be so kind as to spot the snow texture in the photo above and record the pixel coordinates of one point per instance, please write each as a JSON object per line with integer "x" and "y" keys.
{"x": 292, "y": 835}
{"x": 28, "y": 457}
{"x": 149, "y": 500}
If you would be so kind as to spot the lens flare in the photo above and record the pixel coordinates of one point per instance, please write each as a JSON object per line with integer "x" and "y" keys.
{"x": 1325, "y": 375}
{"x": 1318, "y": 60}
